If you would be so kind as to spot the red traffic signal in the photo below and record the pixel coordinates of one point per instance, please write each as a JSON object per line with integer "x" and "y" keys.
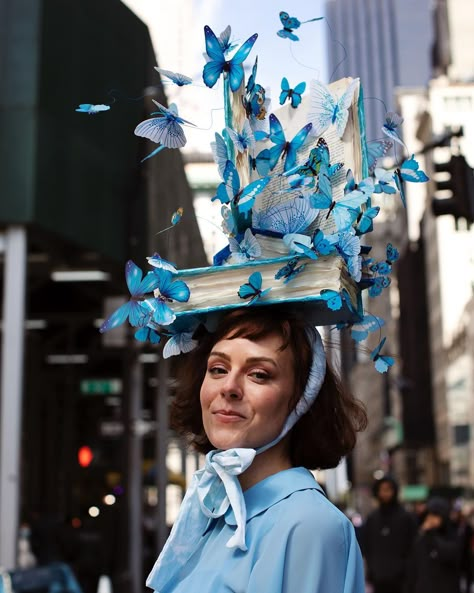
{"x": 85, "y": 456}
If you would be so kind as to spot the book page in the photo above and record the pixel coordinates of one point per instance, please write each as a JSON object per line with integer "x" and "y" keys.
{"x": 346, "y": 150}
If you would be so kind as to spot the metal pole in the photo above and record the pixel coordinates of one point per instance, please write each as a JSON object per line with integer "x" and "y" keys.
{"x": 11, "y": 390}
{"x": 161, "y": 451}
{"x": 135, "y": 489}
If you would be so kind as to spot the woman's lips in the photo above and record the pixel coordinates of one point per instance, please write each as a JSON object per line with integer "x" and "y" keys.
{"x": 228, "y": 415}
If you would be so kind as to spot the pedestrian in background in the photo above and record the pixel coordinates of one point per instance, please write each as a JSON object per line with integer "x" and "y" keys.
{"x": 465, "y": 534}
{"x": 434, "y": 565}
{"x": 387, "y": 537}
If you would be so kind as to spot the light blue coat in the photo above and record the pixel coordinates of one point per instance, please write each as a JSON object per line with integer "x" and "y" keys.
{"x": 298, "y": 542}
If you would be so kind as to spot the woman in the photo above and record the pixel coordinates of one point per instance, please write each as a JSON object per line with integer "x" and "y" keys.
{"x": 255, "y": 520}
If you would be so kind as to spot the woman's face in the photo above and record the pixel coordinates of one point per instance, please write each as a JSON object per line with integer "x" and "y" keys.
{"x": 246, "y": 392}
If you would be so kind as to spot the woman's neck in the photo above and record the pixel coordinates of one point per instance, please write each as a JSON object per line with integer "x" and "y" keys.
{"x": 266, "y": 464}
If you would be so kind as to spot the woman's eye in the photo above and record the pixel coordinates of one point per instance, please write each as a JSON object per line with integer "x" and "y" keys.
{"x": 260, "y": 375}
{"x": 216, "y": 371}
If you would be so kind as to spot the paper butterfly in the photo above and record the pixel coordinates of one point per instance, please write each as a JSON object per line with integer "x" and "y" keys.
{"x": 283, "y": 148}
{"x": 158, "y": 262}
{"x": 366, "y": 186}
{"x": 248, "y": 249}
{"x": 292, "y": 216}
{"x": 218, "y": 63}
{"x": 385, "y": 267}
{"x": 253, "y": 288}
{"x": 364, "y": 222}
{"x": 376, "y": 150}
{"x": 179, "y": 343}
{"x": 378, "y": 283}
{"x": 319, "y": 155}
{"x": 368, "y": 324}
{"x": 136, "y": 310}
{"x": 381, "y": 363}
{"x": 294, "y": 95}
{"x": 312, "y": 247}
{"x": 290, "y": 23}
{"x": 289, "y": 270}
{"x": 165, "y": 129}
{"x": 221, "y": 153}
{"x": 391, "y": 124}
{"x": 384, "y": 179}
{"x": 230, "y": 190}
{"x": 244, "y": 140}
{"x": 224, "y": 40}
{"x": 147, "y": 334}
{"x": 167, "y": 291}
{"x": 92, "y": 109}
{"x": 261, "y": 162}
{"x": 345, "y": 210}
{"x": 348, "y": 245}
{"x": 408, "y": 171}
{"x": 327, "y": 109}
{"x": 254, "y": 100}
{"x": 332, "y": 298}
{"x": 178, "y": 79}
{"x": 228, "y": 222}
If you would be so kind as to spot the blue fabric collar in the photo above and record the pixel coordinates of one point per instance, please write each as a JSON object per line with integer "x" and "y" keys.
{"x": 271, "y": 490}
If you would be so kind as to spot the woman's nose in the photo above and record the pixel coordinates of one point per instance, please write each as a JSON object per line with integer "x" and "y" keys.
{"x": 231, "y": 387}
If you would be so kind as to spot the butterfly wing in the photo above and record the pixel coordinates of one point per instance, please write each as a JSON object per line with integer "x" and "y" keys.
{"x": 220, "y": 152}
{"x": 252, "y": 288}
{"x": 214, "y": 68}
{"x": 176, "y": 77}
{"x": 236, "y": 70}
{"x": 369, "y": 323}
{"x": 179, "y": 343}
{"x": 365, "y": 223}
{"x": 376, "y": 150}
{"x": 250, "y": 192}
{"x": 162, "y": 314}
{"x": 285, "y": 90}
{"x": 332, "y": 298}
{"x": 147, "y": 334}
{"x": 277, "y": 136}
{"x": 295, "y": 145}
{"x": 397, "y": 176}
{"x": 410, "y": 171}
{"x": 230, "y": 187}
{"x": 342, "y": 107}
{"x": 162, "y": 130}
{"x": 322, "y": 107}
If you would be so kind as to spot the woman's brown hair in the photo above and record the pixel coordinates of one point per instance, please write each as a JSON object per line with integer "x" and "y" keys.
{"x": 322, "y": 436}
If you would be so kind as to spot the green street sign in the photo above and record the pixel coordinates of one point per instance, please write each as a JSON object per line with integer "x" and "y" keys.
{"x": 101, "y": 386}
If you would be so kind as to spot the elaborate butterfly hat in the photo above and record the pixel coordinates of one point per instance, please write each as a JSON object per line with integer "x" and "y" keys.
{"x": 296, "y": 202}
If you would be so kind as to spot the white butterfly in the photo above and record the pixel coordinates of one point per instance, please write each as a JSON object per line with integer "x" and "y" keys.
{"x": 248, "y": 249}
{"x": 327, "y": 109}
{"x": 243, "y": 141}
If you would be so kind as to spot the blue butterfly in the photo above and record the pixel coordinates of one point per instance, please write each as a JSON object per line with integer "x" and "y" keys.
{"x": 319, "y": 155}
{"x": 158, "y": 262}
{"x": 92, "y": 109}
{"x": 224, "y": 40}
{"x": 248, "y": 249}
{"x": 176, "y": 77}
{"x": 332, "y": 298}
{"x": 244, "y": 140}
{"x": 230, "y": 190}
{"x": 292, "y": 216}
{"x": 294, "y": 95}
{"x": 289, "y": 270}
{"x": 385, "y": 267}
{"x": 165, "y": 129}
{"x": 378, "y": 283}
{"x": 221, "y": 153}
{"x": 261, "y": 163}
{"x": 148, "y": 334}
{"x": 312, "y": 247}
{"x": 408, "y": 171}
{"x": 167, "y": 291}
{"x": 218, "y": 64}
{"x": 290, "y": 23}
{"x": 384, "y": 179}
{"x": 390, "y": 126}
{"x": 137, "y": 309}
{"x": 327, "y": 109}
{"x": 345, "y": 210}
{"x": 364, "y": 222}
{"x": 282, "y": 147}
{"x": 253, "y": 288}
{"x": 347, "y": 244}
{"x": 254, "y": 101}
{"x": 366, "y": 186}
{"x": 368, "y": 324}
{"x": 376, "y": 150}
{"x": 381, "y": 363}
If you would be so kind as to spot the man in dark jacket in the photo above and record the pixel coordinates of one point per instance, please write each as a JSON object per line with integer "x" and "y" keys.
{"x": 435, "y": 560}
{"x": 387, "y": 538}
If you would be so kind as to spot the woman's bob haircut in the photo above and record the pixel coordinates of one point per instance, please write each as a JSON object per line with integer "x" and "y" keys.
{"x": 322, "y": 436}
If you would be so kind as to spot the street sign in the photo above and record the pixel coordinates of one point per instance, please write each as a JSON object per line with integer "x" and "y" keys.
{"x": 101, "y": 386}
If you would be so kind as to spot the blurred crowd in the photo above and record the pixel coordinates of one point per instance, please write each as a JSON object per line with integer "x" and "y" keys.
{"x": 427, "y": 548}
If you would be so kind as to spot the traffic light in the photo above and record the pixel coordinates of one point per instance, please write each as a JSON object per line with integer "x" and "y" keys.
{"x": 461, "y": 185}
